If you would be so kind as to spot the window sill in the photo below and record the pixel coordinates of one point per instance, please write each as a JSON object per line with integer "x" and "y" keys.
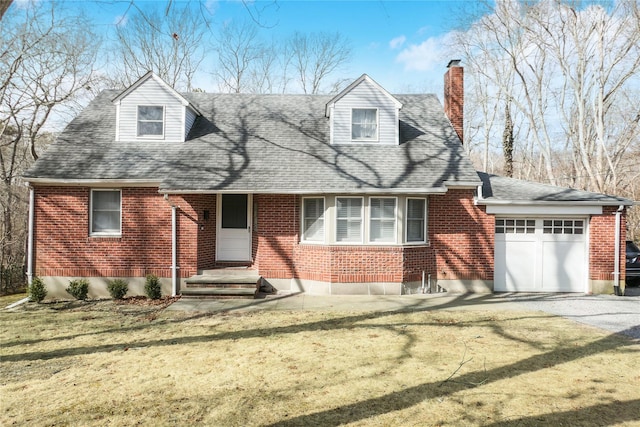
{"x": 367, "y": 245}
{"x": 105, "y": 236}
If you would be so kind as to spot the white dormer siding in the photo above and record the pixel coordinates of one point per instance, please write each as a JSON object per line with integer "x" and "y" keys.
{"x": 150, "y": 91}
{"x": 364, "y": 94}
{"x": 189, "y": 118}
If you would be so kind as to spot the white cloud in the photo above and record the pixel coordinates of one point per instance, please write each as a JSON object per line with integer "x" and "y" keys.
{"x": 428, "y": 55}
{"x": 397, "y": 42}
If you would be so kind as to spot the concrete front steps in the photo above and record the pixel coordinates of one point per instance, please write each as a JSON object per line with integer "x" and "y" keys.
{"x": 223, "y": 283}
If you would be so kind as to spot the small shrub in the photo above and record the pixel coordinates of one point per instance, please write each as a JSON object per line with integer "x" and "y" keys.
{"x": 117, "y": 288}
{"x": 152, "y": 287}
{"x": 79, "y": 289}
{"x": 37, "y": 290}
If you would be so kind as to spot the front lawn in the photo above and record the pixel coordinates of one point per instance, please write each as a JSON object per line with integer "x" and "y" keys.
{"x": 103, "y": 363}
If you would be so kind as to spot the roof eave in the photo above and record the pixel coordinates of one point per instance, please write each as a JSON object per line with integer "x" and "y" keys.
{"x": 93, "y": 182}
{"x": 505, "y": 202}
{"x": 396, "y": 191}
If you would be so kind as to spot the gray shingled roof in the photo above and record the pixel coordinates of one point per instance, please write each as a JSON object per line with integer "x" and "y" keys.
{"x": 263, "y": 143}
{"x": 499, "y": 190}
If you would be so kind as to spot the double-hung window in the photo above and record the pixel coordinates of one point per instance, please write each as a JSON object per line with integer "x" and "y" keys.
{"x": 382, "y": 220}
{"x": 349, "y": 219}
{"x": 416, "y": 220}
{"x": 150, "y": 120}
{"x": 106, "y": 209}
{"x": 364, "y": 124}
{"x": 313, "y": 219}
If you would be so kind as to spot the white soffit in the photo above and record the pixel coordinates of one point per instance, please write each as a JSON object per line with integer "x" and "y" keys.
{"x": 543, "y": 210}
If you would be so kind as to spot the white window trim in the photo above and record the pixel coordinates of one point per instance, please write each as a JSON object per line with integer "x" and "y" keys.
{"x": 365, "y": 140}
{"x": 164, "y": 122}
{"x": 103, "y": 233}
{"x": 395, "y": 221}
{"x": 335, "y": 220}
{"x": 406, "y": 220}
{"x": 324, "y": 219}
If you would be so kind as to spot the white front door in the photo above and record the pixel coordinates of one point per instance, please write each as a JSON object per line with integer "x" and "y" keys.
{"x": 233, "y": 242}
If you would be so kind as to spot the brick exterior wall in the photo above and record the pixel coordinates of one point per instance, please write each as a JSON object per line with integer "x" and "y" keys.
{"x": 63, "y": 246}
{"x": 461, "y": 240}
{"x": 276, "y": 234}
{"x": 462, "y": 236}
{"x": 602, "y": 244}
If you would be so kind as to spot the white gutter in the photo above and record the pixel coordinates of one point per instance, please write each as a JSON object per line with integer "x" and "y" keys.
{"x": 94, "y": 182}
{"x": 616, "y": 268}
{"x": 438, "y": 190}
{"x": 32, "y": 199}
{"x": 503, "y": 202}
{"x": 174, "y": 252}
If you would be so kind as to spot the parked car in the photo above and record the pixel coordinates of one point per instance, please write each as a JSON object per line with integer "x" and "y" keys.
{"x": 632, "y": 265}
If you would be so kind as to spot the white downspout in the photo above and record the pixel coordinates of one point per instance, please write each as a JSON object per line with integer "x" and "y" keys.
{"x": 32, "y": 199}
{"x": 174, "y": 252}
{"x": 616, "y": 268}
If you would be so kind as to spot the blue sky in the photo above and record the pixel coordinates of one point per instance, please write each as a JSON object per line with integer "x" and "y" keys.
{"x": 398, "y": 43}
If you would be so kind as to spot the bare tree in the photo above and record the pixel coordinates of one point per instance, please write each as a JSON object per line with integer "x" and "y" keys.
{"x": 304, "y": 62}
{"x": 172, "y": 45}
{"x": 568, "y": 71}
{"x": 46, "y": 63}
{"x": 239, "y": 51}
{"x": 315, "y": 56}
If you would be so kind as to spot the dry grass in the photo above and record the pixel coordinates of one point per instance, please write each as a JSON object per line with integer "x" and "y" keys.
{"x": 103, "y": 364}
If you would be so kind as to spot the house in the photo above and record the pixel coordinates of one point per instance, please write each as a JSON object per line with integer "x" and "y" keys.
{"x": 364, "y": 192}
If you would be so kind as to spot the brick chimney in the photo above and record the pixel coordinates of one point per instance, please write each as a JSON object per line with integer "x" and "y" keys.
{"x": 454, "y": 96}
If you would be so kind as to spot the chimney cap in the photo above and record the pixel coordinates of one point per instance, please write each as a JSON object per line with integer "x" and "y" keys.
{"x": 454, "y": 63}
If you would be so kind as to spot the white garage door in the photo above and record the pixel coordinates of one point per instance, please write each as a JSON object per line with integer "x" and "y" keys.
{"x": 540, "y": 255}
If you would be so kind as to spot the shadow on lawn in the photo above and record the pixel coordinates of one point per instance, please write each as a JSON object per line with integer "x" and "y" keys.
{"x": 406, "y": 398}
{"x": 615, "y": 415}
{"x": 331, "y": 324}
{"x": 397, "y": 400}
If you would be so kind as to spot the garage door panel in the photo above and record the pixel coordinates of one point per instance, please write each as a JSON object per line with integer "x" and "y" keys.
{"x": 519, "y": 271}
{"x": 562, "y": 265}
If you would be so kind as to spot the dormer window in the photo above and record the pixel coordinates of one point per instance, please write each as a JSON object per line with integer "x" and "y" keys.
{"x": 364, "y": 124}
{"x": 150, "y": 121}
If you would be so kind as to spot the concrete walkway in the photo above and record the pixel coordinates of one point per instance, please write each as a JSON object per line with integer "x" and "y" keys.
{"x": 303, "y": 301}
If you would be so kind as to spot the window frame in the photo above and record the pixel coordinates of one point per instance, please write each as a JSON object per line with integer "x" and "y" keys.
{"x": 138, "y": 121}
{"x": 336, "y": 218}
{"x": 424, "y": 219}
{"x": 371, "y": 218}
{"x": 108, "y": 233}
{"x": 304, "y": 237}
{"x": 376, "y": 138}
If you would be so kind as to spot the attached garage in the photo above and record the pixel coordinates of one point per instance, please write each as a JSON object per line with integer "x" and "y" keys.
{"x": 548, "y": 254}
{"x": 554, "y": 239}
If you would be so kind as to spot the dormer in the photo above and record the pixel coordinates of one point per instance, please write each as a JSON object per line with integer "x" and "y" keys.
{"x": 151, "y": 110}
{"x": 364, "y": 113}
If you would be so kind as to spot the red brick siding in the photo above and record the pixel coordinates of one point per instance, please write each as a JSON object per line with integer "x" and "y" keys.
{"x": 461, "y": 240}
{"x": 195, "y": 207}
{"x": 277, "y": 234}
{"x": 602, "y": 244}
{"x": 462, "y": 236}
{"x": 63, "y": 246}
{"x": 461, "y": 247}
{"x": 418, "y": 259}
{"x": 349, "y": 264}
